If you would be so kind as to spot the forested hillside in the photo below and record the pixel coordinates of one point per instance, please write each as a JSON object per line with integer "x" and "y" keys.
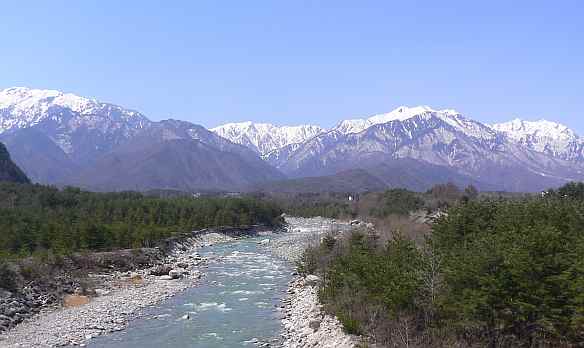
{"x": 496, "y": 273}
{"x": 8, "y": 170}
{"x": 38, "y": 219}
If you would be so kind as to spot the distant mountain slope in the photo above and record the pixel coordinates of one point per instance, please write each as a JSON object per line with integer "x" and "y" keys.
{"x": 355, "y": 180}
{"x": 177, "y": 155}
{"x": 83, "y": 128}
{"x": 39, "y": 156}
{"x": 8, "y": 170}
{"x": 63, "y": 139}
{"x": 442, "y": 138}
{"x": 393, "y": 173}
{"x": 544, "y": 136}
{"x": 420, "y": 176}
{"x": 265, "y": 137}
{"x": 60, "y": 138}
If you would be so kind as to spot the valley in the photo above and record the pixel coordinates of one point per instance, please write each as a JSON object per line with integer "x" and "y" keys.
{"x": 291, "y": 174}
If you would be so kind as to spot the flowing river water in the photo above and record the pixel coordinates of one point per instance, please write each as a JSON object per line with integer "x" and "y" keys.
{"x": 236, "y": 304}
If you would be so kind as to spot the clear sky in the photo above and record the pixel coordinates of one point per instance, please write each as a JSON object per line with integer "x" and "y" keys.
{"x": 291, "y": 62}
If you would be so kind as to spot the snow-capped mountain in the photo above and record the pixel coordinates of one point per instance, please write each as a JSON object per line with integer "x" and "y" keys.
{"x": 64, "y": 139}
{"x": 444, "y": 138}
{"x": 83, "y": 128}
{"x": 265, "y": 137}
{"x": 177, "y": 155}
{"x": 403, "y": 113}
{"x": 548, "y": 137}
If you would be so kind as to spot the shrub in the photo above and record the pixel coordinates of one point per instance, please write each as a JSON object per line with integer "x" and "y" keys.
{"x": 8, "y": 278}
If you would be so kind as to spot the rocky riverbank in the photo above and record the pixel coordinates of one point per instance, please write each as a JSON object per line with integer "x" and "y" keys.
{"x": 301, "y": 233}
{"x": 118, "y": 300}
{"x": 305, "y": 324}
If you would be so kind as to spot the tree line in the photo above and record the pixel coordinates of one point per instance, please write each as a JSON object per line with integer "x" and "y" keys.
{"x": 493, "y": 272}
{"x": 38, "y": 219}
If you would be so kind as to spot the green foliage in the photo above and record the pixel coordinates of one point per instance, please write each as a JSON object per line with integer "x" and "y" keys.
{"x": 572, "y": 190}
{"x": 397, "y": 201}
{"x": 504, "y": 273}
{"x": 36, "y": 219}
{"x": 7, "y": 277}
{"x": 514, "y": 269}
{"x": 360, "y": 277}
{"x": 350, "y": 325}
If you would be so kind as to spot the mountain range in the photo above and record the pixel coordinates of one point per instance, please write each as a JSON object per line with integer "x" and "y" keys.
{"x": 63, "y": 139}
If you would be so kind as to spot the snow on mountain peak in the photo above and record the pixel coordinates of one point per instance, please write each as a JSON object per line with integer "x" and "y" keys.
{"x": 22, "y": 107}
{"x": 543, "y": 136}
{"x": 518, "y": 128}
{"x": 23, "y": 99}
{"x": 401, "y": 113}
{"x": 61, "y": 115}
{"x": 266, "y": 137}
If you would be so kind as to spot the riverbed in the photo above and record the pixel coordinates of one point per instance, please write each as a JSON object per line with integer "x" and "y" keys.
{"x": 247, "y": 291}
{"x": 235, "y": 304}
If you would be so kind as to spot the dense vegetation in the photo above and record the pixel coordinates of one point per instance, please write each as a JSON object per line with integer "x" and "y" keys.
{"x": 497, "y": 273}
{"x": 332, "y": 205}
{"x": 37, "y": 219}
{"x": 377, "y": 205}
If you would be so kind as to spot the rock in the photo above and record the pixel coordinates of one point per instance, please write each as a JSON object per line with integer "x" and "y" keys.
{"x": 175, "y": 274}
{"x": 102, "y": 292}
{"x": 161, "y": 270}
{"x": 312, "y": 280}
{"x": 136, "y": 278}
{"x": 314, "y": 324}
{"x": 5, "y": 294}
{"x": 264, "y": 242}
{"x": 165, "y": 277}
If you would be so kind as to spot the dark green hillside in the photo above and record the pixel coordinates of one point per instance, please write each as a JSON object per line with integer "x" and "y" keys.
{"x": 41, "y": 219}
{"x": 8, "y": 170}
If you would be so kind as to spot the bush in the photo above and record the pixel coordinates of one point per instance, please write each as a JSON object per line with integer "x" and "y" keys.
{"x": 397, "y": 201}
{"x": 8, "y": 278}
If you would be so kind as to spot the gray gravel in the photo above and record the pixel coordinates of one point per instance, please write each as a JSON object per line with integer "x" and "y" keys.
{"x": 304, "y": 322}
{"x": 123, "y": 296}
{"x": 122, "y": 299}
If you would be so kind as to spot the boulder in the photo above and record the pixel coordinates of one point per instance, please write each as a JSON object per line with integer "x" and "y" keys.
{"x": 165, "y": 277}
{"x": 102, "y": 292}
{"x": 174, "y": 274}
{"x": 161, "y": 270}
{"x": 312, "y": 280}
{"x": 314, "y": 324}
{"x": 264, "y": 242}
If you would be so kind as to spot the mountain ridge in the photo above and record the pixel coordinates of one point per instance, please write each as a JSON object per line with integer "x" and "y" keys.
{"x": 516, "y": 155}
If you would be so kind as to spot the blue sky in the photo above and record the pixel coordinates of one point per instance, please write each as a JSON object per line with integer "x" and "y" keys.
{"x": 291, "y": 62}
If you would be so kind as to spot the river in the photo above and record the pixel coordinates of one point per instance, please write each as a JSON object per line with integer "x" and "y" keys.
{"x": 236, "y": 304}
